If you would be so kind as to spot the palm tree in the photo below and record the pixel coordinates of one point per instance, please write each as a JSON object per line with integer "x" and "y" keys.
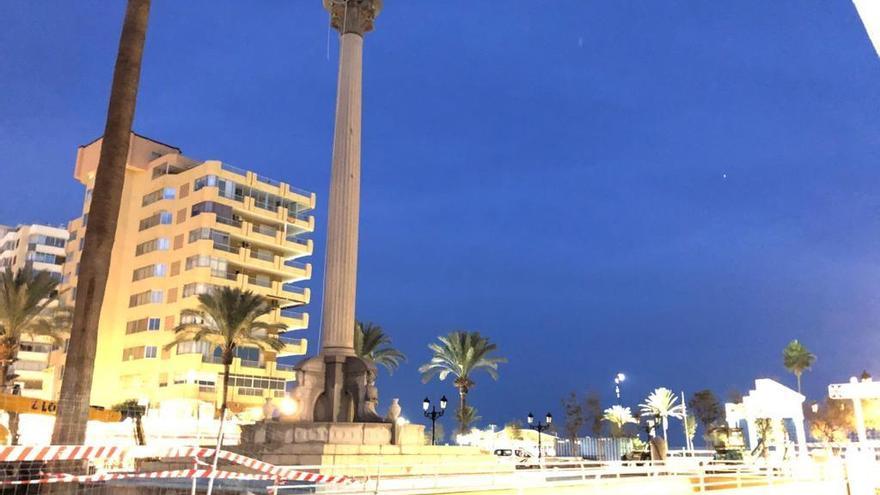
{"x": 460, "y": 354}
{"x": 619, "y": 417}
{"x": 76, "y": 385}
{"x": 797, "y": 359}
{"x": 662, "y": 403}
{"x": 28, "y": 309}
{"x": 373, "y": 344}
{"x": 132, "y": 409}
{"x": 227, "y": 318}
{"x": 466, "y": 417}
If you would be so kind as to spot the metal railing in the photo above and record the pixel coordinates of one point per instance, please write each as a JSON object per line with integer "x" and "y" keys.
{"x": 301, "y": 192}
{"x": 251, "y": 364}
{"x": 235, "y": 170}
{"x": 595, "y": 477}
{"x": 267, "y": 180}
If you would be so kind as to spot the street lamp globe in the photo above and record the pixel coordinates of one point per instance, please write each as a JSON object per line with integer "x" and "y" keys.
{"x": 427, "y": 403}
{"x": 549, "y": 418}
{"x": 530, "y": 418}
{"x": 443, "y": 403}
{"x": 620, "y": 377}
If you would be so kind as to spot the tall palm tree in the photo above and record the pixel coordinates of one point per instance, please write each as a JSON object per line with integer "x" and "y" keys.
{"x": 28, "y": 309}
{"x": 76, "y": 386}
{"x": 460, "y": 354}
{"x": 662, "y": 403}
{"x": 373, "y": 344}
{"x": 797, "y": 359}
{"x": 227, "y": 318}
{"x": 619, "y": 417}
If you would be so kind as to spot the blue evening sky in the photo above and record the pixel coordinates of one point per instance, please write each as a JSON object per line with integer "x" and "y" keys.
{"x": 669, "y": 189}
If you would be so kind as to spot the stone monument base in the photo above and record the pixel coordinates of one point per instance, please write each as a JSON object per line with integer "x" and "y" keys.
{"x": 360, "y": 449}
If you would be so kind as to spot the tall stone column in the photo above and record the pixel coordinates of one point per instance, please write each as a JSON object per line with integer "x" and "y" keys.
{"x": 352, "y": 18}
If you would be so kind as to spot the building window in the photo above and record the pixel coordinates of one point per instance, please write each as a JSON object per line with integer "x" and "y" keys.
{"x": 158, "y": 195}
{"x": 191, "y": 347}
{"x": 140, "y": 352}
{"x": 143, "y": 325}
{"x": 206, "y": 181}
{"x": 159, "y": 244}
{"x": 196, "y": 288}
{"x": 45, "y": 240}
{"x": 146, "y": 297}
{"x": 219, "y": 267}
{"x": 38, "y": 257}
{"x": 35, "y": 347}
{"x": 159, "y": 218}
{"x": 157, "y": 270}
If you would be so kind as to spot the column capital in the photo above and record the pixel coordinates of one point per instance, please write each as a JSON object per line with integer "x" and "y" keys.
{"x": 353, "y": 16}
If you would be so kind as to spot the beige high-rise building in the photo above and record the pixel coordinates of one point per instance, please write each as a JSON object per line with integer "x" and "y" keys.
{"x": 185, "y": 226}
{"x": 40, "y": 247}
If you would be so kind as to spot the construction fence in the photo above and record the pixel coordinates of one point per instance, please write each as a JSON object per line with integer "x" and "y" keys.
{"x": 595, "y": 449}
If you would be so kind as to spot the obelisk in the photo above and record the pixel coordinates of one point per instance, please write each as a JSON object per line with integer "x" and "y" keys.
{"x": 336, "y": 385}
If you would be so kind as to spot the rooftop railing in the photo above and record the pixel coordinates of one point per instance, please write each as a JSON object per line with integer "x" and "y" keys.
{"x": 235, "y": 170}
{"x": 267, "y": 180}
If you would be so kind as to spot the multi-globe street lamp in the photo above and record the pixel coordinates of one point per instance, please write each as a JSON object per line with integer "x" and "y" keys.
{"x": 618, "y": 380}
{"x": 540, "y": 428}
{"x": 433, "y": 414}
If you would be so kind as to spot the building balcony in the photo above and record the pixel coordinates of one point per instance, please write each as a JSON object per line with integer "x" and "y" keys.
{"x": 293, "y": 347}
{"x": 294, "y": 320}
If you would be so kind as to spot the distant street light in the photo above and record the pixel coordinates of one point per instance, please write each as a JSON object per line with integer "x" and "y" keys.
{"x": 434, "y": 413}
{"x": 540, "y": 428}
{"x": 618, "y": 380}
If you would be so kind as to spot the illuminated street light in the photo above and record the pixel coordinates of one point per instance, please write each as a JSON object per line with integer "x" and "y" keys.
{"x": 433, "y": 414}
{"x": 288, "y": 406}
{"x": 540, "y": 428}
{"x": 618, "y": 380}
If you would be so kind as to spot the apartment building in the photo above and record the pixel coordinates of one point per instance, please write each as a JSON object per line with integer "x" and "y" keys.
{"x": 41, "y": 247}
{"x": 185, "y": 226}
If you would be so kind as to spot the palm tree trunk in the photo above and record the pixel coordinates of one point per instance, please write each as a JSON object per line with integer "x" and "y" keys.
{"x": 139, "y": 430}
{"x": 226, "y": 364}
{"x": 73, "y": 404}
{"x": 798, "y": 375}
{"x": 462, "y": 403}
{"x": 13, "y": 416}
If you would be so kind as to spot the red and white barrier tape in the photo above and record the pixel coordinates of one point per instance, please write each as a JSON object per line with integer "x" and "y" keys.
{"x": 179, "y": 474}
{"x": 83, "y": 452}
